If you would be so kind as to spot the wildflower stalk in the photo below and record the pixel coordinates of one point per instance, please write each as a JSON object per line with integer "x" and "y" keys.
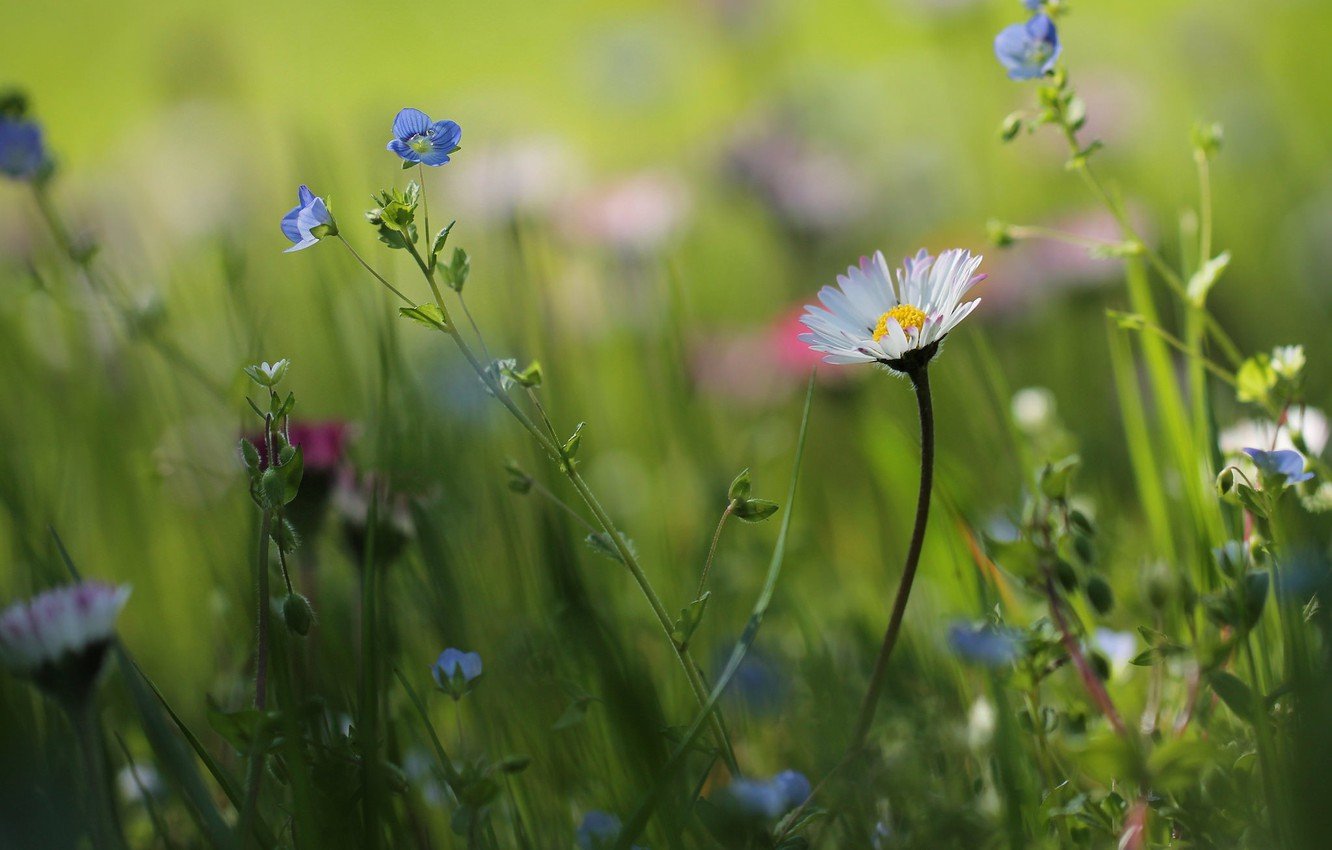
{"x": 921, "y": 382}
{"x": 1090, "y": 680}
{"x": 552, "y": 445}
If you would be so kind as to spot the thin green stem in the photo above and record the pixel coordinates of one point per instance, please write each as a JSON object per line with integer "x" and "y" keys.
{"x": 712, "y": 550}
{"x": 1190, "y": 351}
{"x": 376, "y": 275}
{"x": 1167, "y": 273}
{"x": 545, "y": 492}
{"x": 425, "y": 204}
{"x": 1034, "y": 231}
{"x": 553, "y": 447}
{"x": 921, "y": 381}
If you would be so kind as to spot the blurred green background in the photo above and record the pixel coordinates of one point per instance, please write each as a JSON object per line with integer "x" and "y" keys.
{"x": 647, "y": 191}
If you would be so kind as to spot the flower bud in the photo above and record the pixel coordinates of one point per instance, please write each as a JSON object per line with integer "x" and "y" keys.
{"x": 298, "y": 614}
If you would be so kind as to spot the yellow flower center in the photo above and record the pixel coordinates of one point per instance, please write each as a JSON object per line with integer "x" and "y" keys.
{"x": 420, "y": 144}
{"x": 906, "y": 315}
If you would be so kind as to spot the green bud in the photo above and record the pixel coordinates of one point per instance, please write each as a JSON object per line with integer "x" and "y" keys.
{"x": 519, "y": 481}
{"x": 273, "y": 488}
{"x": 1012, "y": 125}
{"x": 999, "y": 233}
{"x": 1225, "y": 482}
{"x": 739, "y": 489}
{"x": 1099, "y": 594}
{"x": 249, "y": 453}
{"x": 298, "y": 614}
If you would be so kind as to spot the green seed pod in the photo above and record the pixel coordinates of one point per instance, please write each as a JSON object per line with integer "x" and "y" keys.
{"x": 298, "y": 614}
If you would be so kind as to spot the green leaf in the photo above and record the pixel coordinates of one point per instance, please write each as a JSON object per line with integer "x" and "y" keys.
{"x": 690, "y": 617}
{"x": 571, "y": 445}
{"x": 1234, "y": 693}
{"x": 292, "y": 471}
{"x": 530, "y": 376}
{"x": 455, "y": 274}
{"x": 1255, "y": 597}
{"x": 426, "y": 314}
{"x": 602, "y": 544}
{"x": 440, "y": 238}
{"x": 1255, "y": 379}
{"x": 755, "y": 510}
{"x": 574, "y": 714}
{"x": 1055, "y": 477}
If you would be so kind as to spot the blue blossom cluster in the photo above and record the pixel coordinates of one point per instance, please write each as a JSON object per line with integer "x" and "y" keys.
{"x": 22, "y": 151}
{"x": 416, "y": 139}
{"x": 599, "y": 831}
{"x": 1028, "y": 51}
{"x": 456, "y": 671}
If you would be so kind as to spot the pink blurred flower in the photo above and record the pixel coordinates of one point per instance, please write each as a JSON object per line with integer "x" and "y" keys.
{"x": 760, "y": 366}
{"x": 634, "y": 215}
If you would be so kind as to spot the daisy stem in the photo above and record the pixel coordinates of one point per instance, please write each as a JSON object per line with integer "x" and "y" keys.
{"x": 105, "y": 835}
{"x": 921, "y": 382}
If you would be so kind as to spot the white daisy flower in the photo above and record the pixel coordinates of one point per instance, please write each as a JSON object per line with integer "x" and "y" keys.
{"x": 868, "y": 321}
{"x": 59, "y": 638}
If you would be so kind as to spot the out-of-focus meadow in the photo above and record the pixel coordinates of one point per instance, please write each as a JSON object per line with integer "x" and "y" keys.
{"x": 648, "y": 192}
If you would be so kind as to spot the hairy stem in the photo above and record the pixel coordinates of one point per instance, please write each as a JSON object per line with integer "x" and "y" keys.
{"x": 920, "y": 380}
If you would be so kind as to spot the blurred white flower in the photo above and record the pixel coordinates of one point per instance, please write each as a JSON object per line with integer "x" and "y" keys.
{"x": 133, "y": 780}
{"x": 1310, "y": 422}
{"x": 1033, "y": 409}
{"x": 1118, "y": 647}
{"x": 66, "y": 621}
{"x": 1288, "y": 361}
{"x": 980, "y": 723}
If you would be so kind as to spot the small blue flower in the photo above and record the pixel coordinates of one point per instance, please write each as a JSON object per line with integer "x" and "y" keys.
{"x": 308, "y": 222}
{"x": 1028, "y": 50}
{"x": 769, "y": 799}
{"x": 986, "y": 645}
{"x": 418, "y": 139}
{"x": 1282, "y": 464}
{"x": 22, "y": 155}
{"x": 598, "y": 831}
{"x": 456, "y": 671}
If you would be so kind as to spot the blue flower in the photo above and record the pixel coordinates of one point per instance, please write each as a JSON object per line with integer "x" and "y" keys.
{"x": 1033, "y": 5}
{"x": 769, "y": 799}
{"x": 455, "y": 671}
{"x": 1028, "y": 50}
{"x": 308, "y": 222}
{"x": 22, "y": 155}
{"x": 417, "y": 139}
{"x": 986, "y": 645}
{"x": 598, "y": 831}
{"x": 1283, "y": 464}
